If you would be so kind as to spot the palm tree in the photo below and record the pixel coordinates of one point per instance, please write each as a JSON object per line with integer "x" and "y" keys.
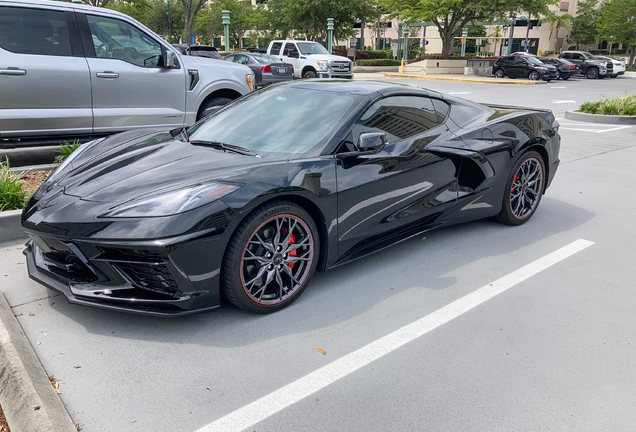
{"x": 496, "y": 34}
{"x": 558, "y": 21}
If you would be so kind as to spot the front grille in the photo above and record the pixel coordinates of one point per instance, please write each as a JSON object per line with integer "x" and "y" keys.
{"x": 156, "y": 278}
{"x": 341, "y": 66}
{"x": 62, "y": 261}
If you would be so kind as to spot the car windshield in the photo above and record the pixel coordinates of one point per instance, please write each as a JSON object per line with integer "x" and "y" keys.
{"x": 265, "y": 59}
{"x": 278, "y": 123}
{"x": 311, "y": 48}
{"x": 587, "y": 56}
{"x": 534, "y": 60}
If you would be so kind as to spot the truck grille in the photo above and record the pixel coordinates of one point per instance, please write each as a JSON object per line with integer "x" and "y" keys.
{"x": 341, "y": 66}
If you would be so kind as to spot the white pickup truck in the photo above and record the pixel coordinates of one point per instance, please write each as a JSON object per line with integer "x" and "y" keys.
{"x": 311, "y": 60}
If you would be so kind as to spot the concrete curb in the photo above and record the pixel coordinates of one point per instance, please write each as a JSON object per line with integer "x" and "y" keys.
{"x": 599, "y": 118}
{"x": 473, "y": 81}
{"x": 22, "y": 169}
{"x": 28, "y": 399}
{"x": 11, "y": 226}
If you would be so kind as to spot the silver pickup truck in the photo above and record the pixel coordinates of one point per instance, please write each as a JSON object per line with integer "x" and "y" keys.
{"x": 76, "y": 71}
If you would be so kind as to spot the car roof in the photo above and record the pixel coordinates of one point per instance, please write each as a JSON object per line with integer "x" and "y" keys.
{"x": 65, "y": 5}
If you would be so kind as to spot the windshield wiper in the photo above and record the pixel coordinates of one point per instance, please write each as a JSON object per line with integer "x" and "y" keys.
{"x": 224, "y": 147}
{"x": 178, "y": 132}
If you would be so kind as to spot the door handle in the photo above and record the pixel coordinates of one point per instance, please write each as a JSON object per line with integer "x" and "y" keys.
{"x": 107, "y": 74}
{"x": 12, "y": 71}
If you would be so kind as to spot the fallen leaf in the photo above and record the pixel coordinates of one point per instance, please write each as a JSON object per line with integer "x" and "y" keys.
{"x": 52, "y": 303}
{"x": 17, "y": 315}
{"x": 77, "y": 366}
{"x": 58, "y": 391}
{"x": 321, "y": 351}
{"x": 209, "y": 388}
{"x": 31, "y": 314}
{"x": 43, "y": 334}
{"x": 19, "y": 262}
{"x": 39, "y": 343}
{"x": 77, "y": 427}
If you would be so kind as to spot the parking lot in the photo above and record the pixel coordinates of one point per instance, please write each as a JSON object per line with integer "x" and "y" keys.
{"x": 531, "y": 340}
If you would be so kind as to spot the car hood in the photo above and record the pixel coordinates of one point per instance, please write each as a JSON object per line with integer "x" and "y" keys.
{"x": 124, "y": 168}
{"x": 328, "y": 57}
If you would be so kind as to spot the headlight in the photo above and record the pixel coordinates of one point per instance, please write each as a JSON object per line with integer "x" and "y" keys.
{"x": 172, "y": 202}
{"x": 603, "y": 63}
{"x": 250, "y": 81}
{"x": 322, "y": 64}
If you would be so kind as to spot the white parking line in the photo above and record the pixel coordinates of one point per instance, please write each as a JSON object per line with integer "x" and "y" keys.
{"x": 458, "y": 93}
{"x": 268, "y": 405}
{"x": 591, "y": 125}
{"x": 563, "y": 101}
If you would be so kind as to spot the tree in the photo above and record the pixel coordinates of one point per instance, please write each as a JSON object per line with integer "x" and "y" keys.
{"x": 138, "y": 9}
{"x": 309, "y": 17}
{"x": 496, "y": 33}
{"x": 98, "y": 3}
{"x": 157, "y": 19}
{"x": 617, "y": 22}
{"x": 243, "y": 17}
{"x": 190, "y": 10}
{"x": 584, "y": 23}
{"x": 556, "y": 23}
{"x": 451, "y": 16}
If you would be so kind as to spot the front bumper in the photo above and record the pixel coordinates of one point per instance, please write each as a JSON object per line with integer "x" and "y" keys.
{"x": 126, "y": 277}
{"x": 548, "y": 75}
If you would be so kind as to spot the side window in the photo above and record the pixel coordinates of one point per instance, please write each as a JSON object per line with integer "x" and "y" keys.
{"x": 276, "y": 46}
{"x": 290, "y": 49}
{"x": 230, "y": 58}
{"x": 241, "y": 59}
{"x": 441, "y": 109}
{"x": 117, "y": 39}
{"x": 34, "y": 31}
{"x": 577, "y": 56}
{"x": 400, "y": 117}
{"x": 566, "y": 56}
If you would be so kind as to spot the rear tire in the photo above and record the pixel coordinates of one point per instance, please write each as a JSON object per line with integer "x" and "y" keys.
{"x": 270, "y": 258}
{"x": 524, "y": 189}
{"x": 534, "y": 76}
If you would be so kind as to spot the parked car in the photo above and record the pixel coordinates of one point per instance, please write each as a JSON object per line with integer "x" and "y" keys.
{"x": 297, "y": 177}
{"x": 618, "y": 65}
{"x": 565, "y": 69}
{"x": 522, "y": 66}
{"x": 591, "y": 67}
{"x": 267, "y": 69}
{"x": 311, "y": 60}
{"x": 198, "y": 50}
{"x": 71, "y": 71}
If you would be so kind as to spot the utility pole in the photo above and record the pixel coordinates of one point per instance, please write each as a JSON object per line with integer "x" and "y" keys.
{"x": 464, "y": 35}
{"x": 225, "y": 16}
{"x": 513, "y": 19}
{"x": 330, "y": 34}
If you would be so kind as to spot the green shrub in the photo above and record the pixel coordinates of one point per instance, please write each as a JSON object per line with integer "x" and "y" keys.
{"x": 378, "y": 62}
{"x": 379, "y": 54}
{"x": 66, "y": 149}
{"x": 609, "y": 107}
{"x": 12, "y": 194}
{"x": 590, "y": 107}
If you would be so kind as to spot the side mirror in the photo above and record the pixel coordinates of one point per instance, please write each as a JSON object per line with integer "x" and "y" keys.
{"x": 371, "y": 141}
{"x": 171, "y": 60}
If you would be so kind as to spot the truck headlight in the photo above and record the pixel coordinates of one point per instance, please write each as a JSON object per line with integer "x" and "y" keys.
{"x": 250, "y": 81}
{"x": 322, "y": 64}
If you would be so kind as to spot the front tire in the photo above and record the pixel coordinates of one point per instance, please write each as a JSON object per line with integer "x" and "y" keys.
{"x": 309, "y": 74}
{"x": 592, "y": 73}
{"x": 524, "y": 189}
{"x": 212, "y": 102}
{"x": 533, "y": 76}
{"x": 558, "y": 76}
{"x": 499, "y": 73}
{"x": 270, "y": 258}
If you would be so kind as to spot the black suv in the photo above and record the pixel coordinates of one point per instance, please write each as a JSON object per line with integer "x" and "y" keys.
{"x": 524, "y": 67}
{"x": 565, "y": 69}
{"x": 590, "y": 66}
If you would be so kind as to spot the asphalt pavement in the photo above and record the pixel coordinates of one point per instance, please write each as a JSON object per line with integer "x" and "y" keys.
{"x": 413, "y": 336}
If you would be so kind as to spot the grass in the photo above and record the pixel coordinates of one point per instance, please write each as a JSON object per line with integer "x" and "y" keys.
{"x": 12, "y": 193}
{"x": 65, "y": 150}
{"x": 625, "y": 105}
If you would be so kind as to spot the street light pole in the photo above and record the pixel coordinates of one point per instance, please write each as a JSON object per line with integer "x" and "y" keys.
{"x": 330, "y": 33}
{"x": 169, "y": 23}
{"x": 513, "y": 18}
{"x": 225, "y": 16}
{"x": 405, "y": 50}
{"x": 464, "y": 35}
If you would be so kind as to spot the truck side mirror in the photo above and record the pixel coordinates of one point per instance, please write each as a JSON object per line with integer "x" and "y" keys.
{"x": 171, "y": 60}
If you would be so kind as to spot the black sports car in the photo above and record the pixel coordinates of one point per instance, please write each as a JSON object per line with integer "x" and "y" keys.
{"x": 294, "y": 178}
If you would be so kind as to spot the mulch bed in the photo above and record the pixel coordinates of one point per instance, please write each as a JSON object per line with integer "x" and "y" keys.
{"x": 4, "y": 426}
{"x": 32, "y": 181}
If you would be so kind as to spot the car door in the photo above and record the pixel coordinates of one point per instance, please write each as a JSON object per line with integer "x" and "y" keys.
{"x": 403, "y": 186}
{"x": 291, "y": 55}
{"x": 44, "y": 80}
{"x": 131, "y": 87}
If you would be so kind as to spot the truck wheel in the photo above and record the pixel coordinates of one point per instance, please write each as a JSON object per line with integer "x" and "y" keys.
{"x": 309, "y": 74}
{"x": 212, "y": 102}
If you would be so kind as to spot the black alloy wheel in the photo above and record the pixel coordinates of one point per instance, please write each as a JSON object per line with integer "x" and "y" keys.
{"x": 499, "y": 73}
{"x": 270, "y": 258}
{"x": 592, "y": 73}
{"x": 534, "y": 76}
{"x": 558, "y": 75}
{"x": 309, "y": 74}
{"x": 524, "y": 189}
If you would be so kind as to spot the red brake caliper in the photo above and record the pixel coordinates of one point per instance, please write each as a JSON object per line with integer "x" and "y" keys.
{"x": 514, "y": 180}
{"x": 292, "y": 240}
